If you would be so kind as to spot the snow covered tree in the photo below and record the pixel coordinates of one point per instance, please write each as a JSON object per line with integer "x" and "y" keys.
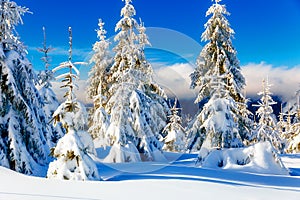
{"x": 293, "y": 135}
{"x": 23, "y": 126}
{"x": 217, "y": 118}
{"x": 266, "y": 128}
{"x": 73, "y": 151}
{"x": 102, "y": 62}
{"x": 284, "y": 126}
{"x": 98, "y": 89}
{"x": 175, "y": 134}
{"x": 218, "y": 55}
{"x": 217, "y": 59}
{"x": 143, "y": 102}
{"x": 245, "y": 122}
{"x": 44, "y": 87}
{"x": 120, "y": 133}
{"x": 294, "y": 139}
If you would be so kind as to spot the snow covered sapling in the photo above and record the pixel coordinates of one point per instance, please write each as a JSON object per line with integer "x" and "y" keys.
{"x": 266, "y": 128}
{"x": 217, "y": 60}
{"x": 98, "y": 89}
{"x": 23, "y": 126}
{"x": 175, "y": 134}
{"x": 73, "y": 151}
{"x": 44, "y": 86}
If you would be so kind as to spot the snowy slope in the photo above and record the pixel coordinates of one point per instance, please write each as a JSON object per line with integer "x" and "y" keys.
{"x": 179, "y": 180}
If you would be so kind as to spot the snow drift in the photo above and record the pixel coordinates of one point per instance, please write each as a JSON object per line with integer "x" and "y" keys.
{"x": 259, "y": 158}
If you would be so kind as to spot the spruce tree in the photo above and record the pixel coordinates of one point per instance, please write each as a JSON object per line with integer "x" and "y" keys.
{"x": 74, "y": 150}
{"x": 23, "y": 126}
{"x": 267, "y": 125}
{"x": 138, "y": 120}
{"x": 98, "y": 89}
{"x": 293, "y": 136}
{"x": 175, "y": 134}
{"x": 44, "y": 87}
{"x": 217, "y": 117}
{"x": 217, "y": 59}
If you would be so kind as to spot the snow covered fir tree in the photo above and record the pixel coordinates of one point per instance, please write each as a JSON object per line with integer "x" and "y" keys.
{"x": 74, "y": 151}
{"x": 219, "y": 126}
{"x": 220, "y": 82}
{"x": 223, "y": 123}
{"x": 24, "y": 131}
{"x": 267, "y": 124}
{"x": 98, "y": 89}
{"x": 44, "y": 86}
{"x": 293, "y": 143}
{"x": 175, "y": 135}
{"x": 135, "y": 103}
{"x": 292, "y": 126}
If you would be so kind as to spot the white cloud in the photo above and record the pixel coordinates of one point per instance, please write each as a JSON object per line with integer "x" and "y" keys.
{"x": 285, "y": 81}
{"x": 175, "y": 79}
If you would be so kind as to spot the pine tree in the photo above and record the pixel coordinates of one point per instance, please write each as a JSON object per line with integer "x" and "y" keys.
{"x": 44, "y": 87}
{"x": 102, "y": 62}
{"x": 294, "y": 139}
{"x": 23, "y": 126}
{"x": 175, "y": 134}
{"x": 98, "y": 89}
{"x": 74, "y": 150}
{"x": 133, "y": 121}
{"x": 120, "y": 133}
{"x": 267, "y": 129}
{"x": 217, "y": 59}
{"x": 218, "y": 55}
{"x": 293, "y": 136}
{"x": 284, "y": 127}
{"x": 217, "y": 117}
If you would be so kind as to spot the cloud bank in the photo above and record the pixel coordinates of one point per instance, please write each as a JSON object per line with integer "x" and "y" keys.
{"x": 176, "y": 81}
{"x": 285, "y": 81}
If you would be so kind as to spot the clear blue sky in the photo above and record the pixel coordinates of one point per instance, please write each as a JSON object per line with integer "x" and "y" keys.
{"x": 266, "y": 30}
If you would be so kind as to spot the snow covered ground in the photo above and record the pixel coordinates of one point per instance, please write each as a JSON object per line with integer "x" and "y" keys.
{"x": 179, "y": 179}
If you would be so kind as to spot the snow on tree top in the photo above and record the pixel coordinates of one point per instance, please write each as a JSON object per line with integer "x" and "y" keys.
{"x": 101, "y": 32}
{"x": 128, "y": 10}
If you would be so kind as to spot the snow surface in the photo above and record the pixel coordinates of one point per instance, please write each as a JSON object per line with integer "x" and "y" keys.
{"x": 178, "y": 179}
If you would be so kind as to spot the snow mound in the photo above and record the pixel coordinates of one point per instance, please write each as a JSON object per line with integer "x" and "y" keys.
{"x": 259, "y": 158}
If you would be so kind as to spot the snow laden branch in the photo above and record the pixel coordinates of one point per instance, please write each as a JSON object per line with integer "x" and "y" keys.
{"x": 10, "y": 16}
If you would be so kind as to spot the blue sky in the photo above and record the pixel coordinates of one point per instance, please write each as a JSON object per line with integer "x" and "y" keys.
{"x": 267, "y": 31}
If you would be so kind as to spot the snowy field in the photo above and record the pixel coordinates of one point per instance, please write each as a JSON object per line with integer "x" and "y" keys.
{"x": 178, "y": 179}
